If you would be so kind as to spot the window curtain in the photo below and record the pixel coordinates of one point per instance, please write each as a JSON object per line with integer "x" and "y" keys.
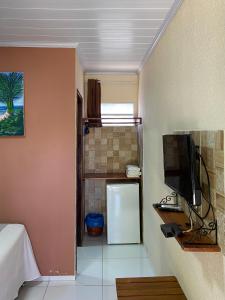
{"x": 94, "y": 102}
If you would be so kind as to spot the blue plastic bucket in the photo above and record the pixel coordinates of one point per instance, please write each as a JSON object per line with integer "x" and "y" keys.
{"x": 94, "y": 223}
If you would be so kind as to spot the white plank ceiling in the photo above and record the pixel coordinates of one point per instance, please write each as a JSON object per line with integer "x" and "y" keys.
{"x": 110, "y": 35}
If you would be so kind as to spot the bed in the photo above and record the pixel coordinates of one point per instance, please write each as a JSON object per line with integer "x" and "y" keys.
{"x": 17, "y": 262}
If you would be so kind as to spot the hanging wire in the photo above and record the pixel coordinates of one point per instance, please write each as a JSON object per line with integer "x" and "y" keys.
{"x": 203, "y": 228}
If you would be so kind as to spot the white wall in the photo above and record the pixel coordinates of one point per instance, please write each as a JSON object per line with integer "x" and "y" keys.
{"x": 116, "y": 87}
{"x": 182, "y": 87}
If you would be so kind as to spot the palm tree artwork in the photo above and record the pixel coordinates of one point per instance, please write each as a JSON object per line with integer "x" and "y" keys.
{"x": 11, "y": 103}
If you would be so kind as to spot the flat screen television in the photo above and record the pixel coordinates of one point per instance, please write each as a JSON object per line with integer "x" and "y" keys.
{"x": 181, "y": 167}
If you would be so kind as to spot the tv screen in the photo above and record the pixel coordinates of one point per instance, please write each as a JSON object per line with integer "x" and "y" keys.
{"x": 181, "y": 169}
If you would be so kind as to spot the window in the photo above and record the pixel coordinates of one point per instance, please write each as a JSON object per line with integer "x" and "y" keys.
{"x": 117, "y": 114}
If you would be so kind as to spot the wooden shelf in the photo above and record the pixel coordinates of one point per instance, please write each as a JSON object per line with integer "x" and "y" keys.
{"x": 112, "y": 121}
{"x": 111, "y": 176}
{"x": 181, "y": 219}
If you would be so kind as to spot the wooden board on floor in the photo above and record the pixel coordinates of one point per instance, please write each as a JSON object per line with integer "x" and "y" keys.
{"x": 149, "y": 288}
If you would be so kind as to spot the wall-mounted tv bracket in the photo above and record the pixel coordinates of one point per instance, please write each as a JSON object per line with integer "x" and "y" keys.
{"x": 169, "y": 203}
{"x": 170, "y": 198}
{"x": 204, "y": 227}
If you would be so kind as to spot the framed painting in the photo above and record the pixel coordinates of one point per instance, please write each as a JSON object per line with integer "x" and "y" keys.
{"x": 11, "y": 104}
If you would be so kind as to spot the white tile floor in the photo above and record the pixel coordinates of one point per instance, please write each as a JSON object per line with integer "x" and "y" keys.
{"x": 98, "y": 266}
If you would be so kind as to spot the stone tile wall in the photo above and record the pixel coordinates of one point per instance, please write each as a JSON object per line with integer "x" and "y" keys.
{"x": 107, "y": 150}
{"x": 211, "y": 147}
{"x": 110, "y": 149}
{"x": 212, "y": 150}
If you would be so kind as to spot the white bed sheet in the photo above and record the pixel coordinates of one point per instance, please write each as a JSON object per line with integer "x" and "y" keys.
{"x": 17, "y": 262}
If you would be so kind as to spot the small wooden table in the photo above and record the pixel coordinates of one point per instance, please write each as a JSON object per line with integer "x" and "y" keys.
{"x": 149, "y": 288}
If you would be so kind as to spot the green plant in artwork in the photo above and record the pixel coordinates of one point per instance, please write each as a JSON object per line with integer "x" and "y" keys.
{"x": 11, "y": 103}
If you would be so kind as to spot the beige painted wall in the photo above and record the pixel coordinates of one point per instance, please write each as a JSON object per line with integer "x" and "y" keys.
{"x": 79, "y": 76}
{"x": 182, "y": 87}
{"x": 116, "y": 87}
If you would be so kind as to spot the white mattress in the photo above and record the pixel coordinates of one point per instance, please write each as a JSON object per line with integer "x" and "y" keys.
{"x": 17, "y": 262}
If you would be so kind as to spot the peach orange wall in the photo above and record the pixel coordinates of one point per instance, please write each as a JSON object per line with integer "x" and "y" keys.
{"x": 37, "y": 173}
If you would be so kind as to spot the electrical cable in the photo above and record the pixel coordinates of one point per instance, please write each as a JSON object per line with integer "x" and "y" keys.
{"x": 203, "y": 226}
{"x": 191, "y": 220}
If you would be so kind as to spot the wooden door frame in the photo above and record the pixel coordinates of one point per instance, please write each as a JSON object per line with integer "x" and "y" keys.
{"x": 79, "y": 172}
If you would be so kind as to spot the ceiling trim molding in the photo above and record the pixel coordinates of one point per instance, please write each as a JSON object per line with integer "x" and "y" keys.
{"x": 38, "y": 45}
{"x": 79, "y": 57}
{"x": 110, "y": 73}
{"x": 162, "y": 30}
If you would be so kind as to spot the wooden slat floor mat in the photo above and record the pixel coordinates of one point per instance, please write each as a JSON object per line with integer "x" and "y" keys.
{"x": 149, "y": 288}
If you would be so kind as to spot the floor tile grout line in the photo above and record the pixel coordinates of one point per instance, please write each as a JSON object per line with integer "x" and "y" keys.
{"x": 102, "y": 283}
{"x": 45, "y": 291}
{"x": 102, "y": 268}
{"x": 80, "y": 285}
{"x": 104, "y": 260}
{"x": 112, "y": 258}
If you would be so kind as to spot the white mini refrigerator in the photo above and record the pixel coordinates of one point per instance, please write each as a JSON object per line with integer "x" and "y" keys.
{"x": 123, "y": 213}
